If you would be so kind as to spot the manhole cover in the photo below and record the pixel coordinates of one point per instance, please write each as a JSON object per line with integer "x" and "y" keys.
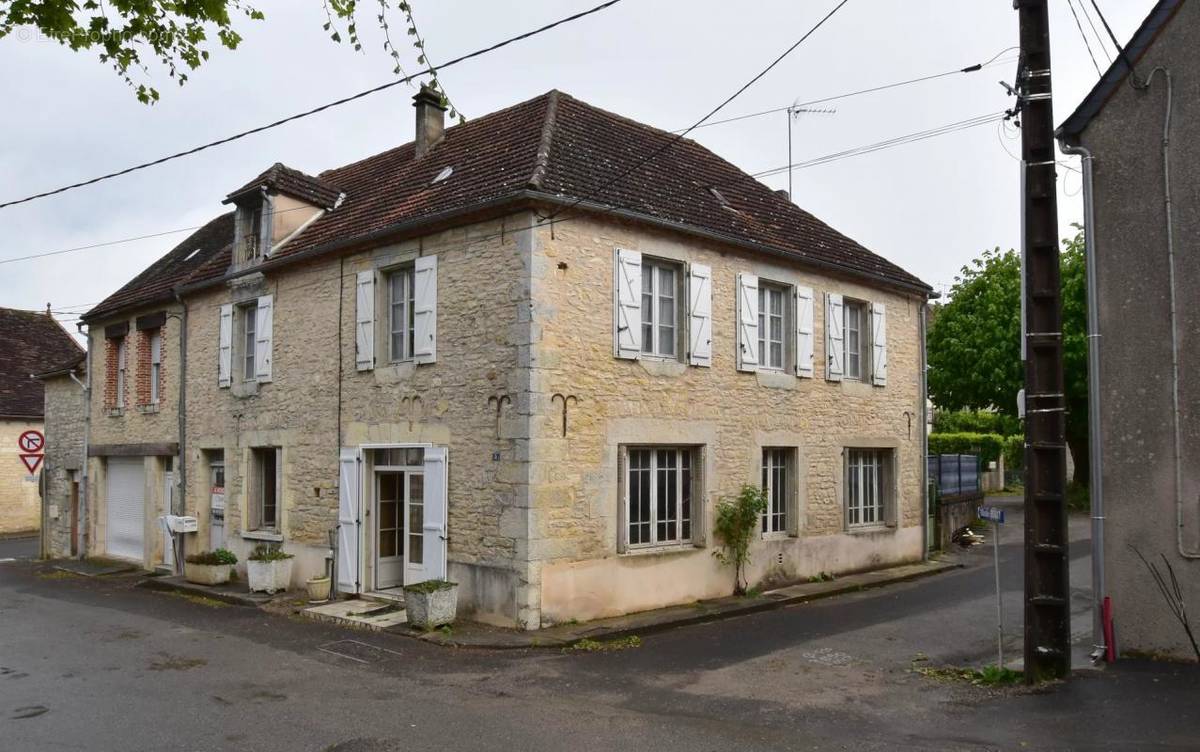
{"x": 357, "y": 651}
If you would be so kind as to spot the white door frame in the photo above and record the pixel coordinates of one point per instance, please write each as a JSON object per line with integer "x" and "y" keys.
{"x": 366, "y": 499}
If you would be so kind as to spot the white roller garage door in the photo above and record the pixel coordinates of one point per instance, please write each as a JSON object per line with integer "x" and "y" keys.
{"x": 126, "y": 507}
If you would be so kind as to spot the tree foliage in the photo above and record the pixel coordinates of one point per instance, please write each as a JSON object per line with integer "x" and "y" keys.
{"x": 132, "y": 35}
{"x": 975, "y": 341}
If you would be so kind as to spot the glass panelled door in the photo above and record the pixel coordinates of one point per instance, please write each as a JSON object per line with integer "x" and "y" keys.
{"x": 389, "y": 529}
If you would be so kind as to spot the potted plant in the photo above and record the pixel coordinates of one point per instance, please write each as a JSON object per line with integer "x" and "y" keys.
{"x": 431, "y": 604}
{"x": 318, "y": 588}
{"x": 209, "y": 567}
{"x": 269, "y": 569}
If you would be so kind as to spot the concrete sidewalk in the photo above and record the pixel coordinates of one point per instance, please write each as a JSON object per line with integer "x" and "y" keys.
{"x": 473, "y": 635}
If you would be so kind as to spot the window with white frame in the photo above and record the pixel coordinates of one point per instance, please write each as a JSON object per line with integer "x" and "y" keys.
{"x": 401, "y": 320}
{"x": 263, "y": 497}
{"x": 778, "y": 471}
{"x": 155, "y": 364}
{"x": 867, "y": 487}
{"x": 249, "y": 316}
{"x": 660, "y": 307}
{"x": 772, "y": 312}
{"x": 659, "y": 491}
{"x": 856, "y": 328}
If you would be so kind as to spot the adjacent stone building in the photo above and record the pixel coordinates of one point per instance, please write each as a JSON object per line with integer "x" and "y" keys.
{"x": 63, "y": 499}
{"x": 30, "y": 342}
{"x": 1140, "y": 129}
{"x": 516, "y": 354}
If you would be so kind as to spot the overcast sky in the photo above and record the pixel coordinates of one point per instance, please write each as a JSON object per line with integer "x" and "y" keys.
{"x": 930, "y": 206}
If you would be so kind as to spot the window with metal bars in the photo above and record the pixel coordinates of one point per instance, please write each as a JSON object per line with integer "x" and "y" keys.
{"x": 659, "y": 493}
{"x": 866, "y": 487}
{"x": 777, "y": 474}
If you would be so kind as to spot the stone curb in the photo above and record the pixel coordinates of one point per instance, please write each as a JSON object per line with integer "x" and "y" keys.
{"x": 767, "y": 602}
{"x": 163, "y": 584}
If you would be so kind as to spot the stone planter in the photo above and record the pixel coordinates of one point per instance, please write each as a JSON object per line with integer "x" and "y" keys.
{"x": 318, "y": 589}
{"x": 269, "y": 576}
{"x": 429, "y": 605}
{"x": 207, "y": 574}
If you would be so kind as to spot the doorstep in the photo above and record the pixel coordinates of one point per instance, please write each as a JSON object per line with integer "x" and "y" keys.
{"x": 238, "y": 593}
{"x": 363, "y": 613}
{"x": 473, "y": 635}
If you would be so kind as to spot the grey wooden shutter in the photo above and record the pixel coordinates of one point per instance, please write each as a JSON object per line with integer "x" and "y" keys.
{"x": 627, "y": 304}
{"x": 747, "y": 320}
{"x": 804, "y": 332}
{"x": 878, "y": 344}
{"x": 834, "y": 337}
{"x": 265, "y": 316}
{"x": 225, "y": 346}
{"x": 364, "y": 321}
{"x": 700, "y": 315}
{"x": 349, "y": 479}
{"x": 425, "y": 298}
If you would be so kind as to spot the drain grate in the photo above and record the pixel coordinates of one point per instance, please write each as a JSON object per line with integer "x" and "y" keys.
{"x": 354, "y": 650}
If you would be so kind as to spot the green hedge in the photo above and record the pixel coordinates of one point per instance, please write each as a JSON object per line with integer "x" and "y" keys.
{"x": 1014, "y": 452}
{"x": 975, "y": 421}
{"x": 987, "y": 445}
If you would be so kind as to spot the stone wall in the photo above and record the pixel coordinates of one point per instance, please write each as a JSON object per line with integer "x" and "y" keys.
{"x": 733, "y": 415}
{"x": 65, "y": 425}
{"x": 20, "y": 503}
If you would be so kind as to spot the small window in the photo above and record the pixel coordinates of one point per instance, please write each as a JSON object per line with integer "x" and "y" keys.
{"x": 251, "y": 241}
{"x": 867, "y": 487}
{"x": 119, "y": 400}
{"x": 401, "y": 316}
{"x": 658, "y": 496}
{"x": 249, "y": 316}
{"x": 155, "y": 365}
{"x": 778, "y": 471}
{"x": 660, "y": 308}
{"x": 264, "y": 489}
{"x": 772, "y": 311}
{"x": 856, "y": 340}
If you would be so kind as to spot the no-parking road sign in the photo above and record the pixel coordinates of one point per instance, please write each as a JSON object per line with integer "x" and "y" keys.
{"x": 31, "y": 442}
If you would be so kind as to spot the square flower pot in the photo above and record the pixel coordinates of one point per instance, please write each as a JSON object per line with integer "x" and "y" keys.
{"x": 269, "y": 576}
{"x": 431, "y": 604}
{"x": 207, "y": 574}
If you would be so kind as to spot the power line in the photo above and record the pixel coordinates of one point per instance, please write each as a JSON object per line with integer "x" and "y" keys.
{"x": 886, "y": 144}
{"x": 1086, "y": 43}
{"x": 969, "y": 69}
{"x": 680, "y": 136}
{"x": 315, "y": 110}
{"x": 1095, "y": 31}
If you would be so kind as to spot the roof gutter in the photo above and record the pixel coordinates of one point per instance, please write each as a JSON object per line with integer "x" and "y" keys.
{"x": 413, "y": 227}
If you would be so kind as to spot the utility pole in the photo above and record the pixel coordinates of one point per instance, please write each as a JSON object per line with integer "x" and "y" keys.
{"x": 1047, "y": 585}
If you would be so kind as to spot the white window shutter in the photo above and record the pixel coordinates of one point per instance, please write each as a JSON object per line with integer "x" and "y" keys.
{"x": 700, "y": 315}
{"x": 262, "y": 338}
{"x": 834, "y": 355}
{"x": 627, "y": 304}
{"x": 433, "y": 526}
{"x": 364, "y": 321}
{"x": 747, "y": 315}
{"x": 878, "y": 344}
{"x": 349, "y": 482}
{"x": 425, "y": 309}
{"x": 225, "y": 346}
{"x": 804, "y": 332}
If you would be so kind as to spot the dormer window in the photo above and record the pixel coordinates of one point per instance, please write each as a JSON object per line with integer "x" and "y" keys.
{"x": 253, "y": 231}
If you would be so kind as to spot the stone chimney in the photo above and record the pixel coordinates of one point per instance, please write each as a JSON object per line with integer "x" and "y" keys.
{"x": 431, "y": 119}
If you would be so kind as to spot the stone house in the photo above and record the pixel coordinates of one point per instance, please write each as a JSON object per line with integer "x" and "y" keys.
{"x": 30, "y": 342}
{"x": 516, "y": 354}
{"x": 63, "y": 481}
{"x": 1138, "y": 132}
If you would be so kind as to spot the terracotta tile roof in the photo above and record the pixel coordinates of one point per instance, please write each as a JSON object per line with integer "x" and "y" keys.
{"x": 157, "y": 282}
{"x": 560, "y": 149}
{"x": 291, "y": 182}
{"x": 31, "y": 342}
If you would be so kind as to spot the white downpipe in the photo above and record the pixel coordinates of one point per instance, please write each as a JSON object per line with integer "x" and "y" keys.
{"x": 1095, "y": 436}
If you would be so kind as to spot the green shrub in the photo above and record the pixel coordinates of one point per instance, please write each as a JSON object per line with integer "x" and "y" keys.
{"x": 264, "y": 552}
{"x": 737, "y": 520}
{"x": 213, "y": 558}
{"x": 987, "y": 445}
{"x": 1014, "y": 452}
{"x": 975, "y": 421}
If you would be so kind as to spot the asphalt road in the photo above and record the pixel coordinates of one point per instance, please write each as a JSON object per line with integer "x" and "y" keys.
{"x": 95, "y": 664}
